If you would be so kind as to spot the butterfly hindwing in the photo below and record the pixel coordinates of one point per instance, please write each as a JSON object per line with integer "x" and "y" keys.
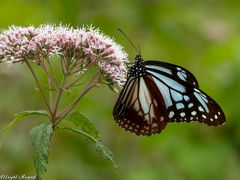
{"x": 186, "y": 103}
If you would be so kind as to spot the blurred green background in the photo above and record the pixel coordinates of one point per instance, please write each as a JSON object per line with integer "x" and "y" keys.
{"x": 202, "y": 36}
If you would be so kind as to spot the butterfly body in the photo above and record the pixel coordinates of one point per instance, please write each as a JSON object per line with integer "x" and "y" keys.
{"x": 138, "y": 68}
{"x": 157, "y": 93}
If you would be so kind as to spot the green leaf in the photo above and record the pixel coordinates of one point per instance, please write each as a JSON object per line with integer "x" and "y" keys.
{"x": 21, "y": 115}
{"x": 80, "y": 120}
{"x": 81, "y": 132}
{"x": 40, "y": 136}
{"x": 105, "y": 152}
{"x": 29, "y": 113}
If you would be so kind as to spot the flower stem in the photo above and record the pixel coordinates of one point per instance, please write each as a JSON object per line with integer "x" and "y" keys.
{"x": 59, "y": 94}
{"x": 52, "y": 70}
{"x": 50, "y": 94}
{"x": 75, "y": 80}
{"x": 63, "y": 67}
{"x": 65, "y": 112}
{"x": 48, "y": 75}
{"x": 38, "y": 84}
{"x": 71, "y": 106}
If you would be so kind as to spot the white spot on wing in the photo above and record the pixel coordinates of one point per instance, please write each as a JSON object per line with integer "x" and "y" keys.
{"x": 182, "y": 114}
{"x": 162, "y": 118}
{"x": 197, "y": 90}
{"x": 200, "y": 108}
{"x": 190, "y": 105}
{"x": 171, "y": 114}
{"x": 180, "y": 105}
{"x": 193, "y": 113}
{"x": 154, "y": 125}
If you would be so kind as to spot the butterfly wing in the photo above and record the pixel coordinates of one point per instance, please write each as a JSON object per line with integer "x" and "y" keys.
{"x": 137, "y": 108}
{"x": 184, "y": 101}
{"x": 173, "y": 71}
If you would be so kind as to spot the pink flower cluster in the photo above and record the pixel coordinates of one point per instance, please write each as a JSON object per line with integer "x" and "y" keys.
{"x": 87, "y": 45}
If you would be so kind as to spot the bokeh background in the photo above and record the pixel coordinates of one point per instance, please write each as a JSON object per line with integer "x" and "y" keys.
{"x": 202, "y": 36}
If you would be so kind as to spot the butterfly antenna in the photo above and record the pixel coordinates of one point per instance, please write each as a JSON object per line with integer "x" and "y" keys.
{"x": 129, "y": 41}
{"x": 139, "y": 49}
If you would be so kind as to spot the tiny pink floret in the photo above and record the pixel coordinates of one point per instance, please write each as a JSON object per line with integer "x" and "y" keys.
{"x": 88, "y": 44}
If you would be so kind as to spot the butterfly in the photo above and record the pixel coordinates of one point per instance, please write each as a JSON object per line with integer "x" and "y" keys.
{"x": 157, "y": 93}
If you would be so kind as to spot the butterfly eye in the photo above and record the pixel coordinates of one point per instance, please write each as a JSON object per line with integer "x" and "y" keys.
{"x": 157, "y": 93}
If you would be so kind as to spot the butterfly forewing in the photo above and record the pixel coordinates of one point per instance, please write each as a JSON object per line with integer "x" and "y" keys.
{"x": 120, "y": 107}
{"x": 138, "y": 110}
{"x": 172, "y": 71}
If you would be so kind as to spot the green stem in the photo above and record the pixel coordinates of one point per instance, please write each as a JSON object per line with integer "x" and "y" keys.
{"x": 48, "y": 75}
{"x": 38, "y": 84}
{"x": 63, "y": 67}
{"x": 59, "y": 94}
{"x": 73, "y": 78}
{"x": 74, "y": 81}
{"x": 73, "y": 104}
{"x": 50, "y": 94}
{"x": 52, "y": 70}
{"x": 67, "y": 110}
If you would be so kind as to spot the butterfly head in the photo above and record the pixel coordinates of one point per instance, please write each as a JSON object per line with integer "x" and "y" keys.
{"x": 138, "y": 68}
{"x": 138, "y": 59}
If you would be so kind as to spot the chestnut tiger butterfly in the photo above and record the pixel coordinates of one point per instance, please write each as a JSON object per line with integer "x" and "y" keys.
{"x": 157, "y": 93}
